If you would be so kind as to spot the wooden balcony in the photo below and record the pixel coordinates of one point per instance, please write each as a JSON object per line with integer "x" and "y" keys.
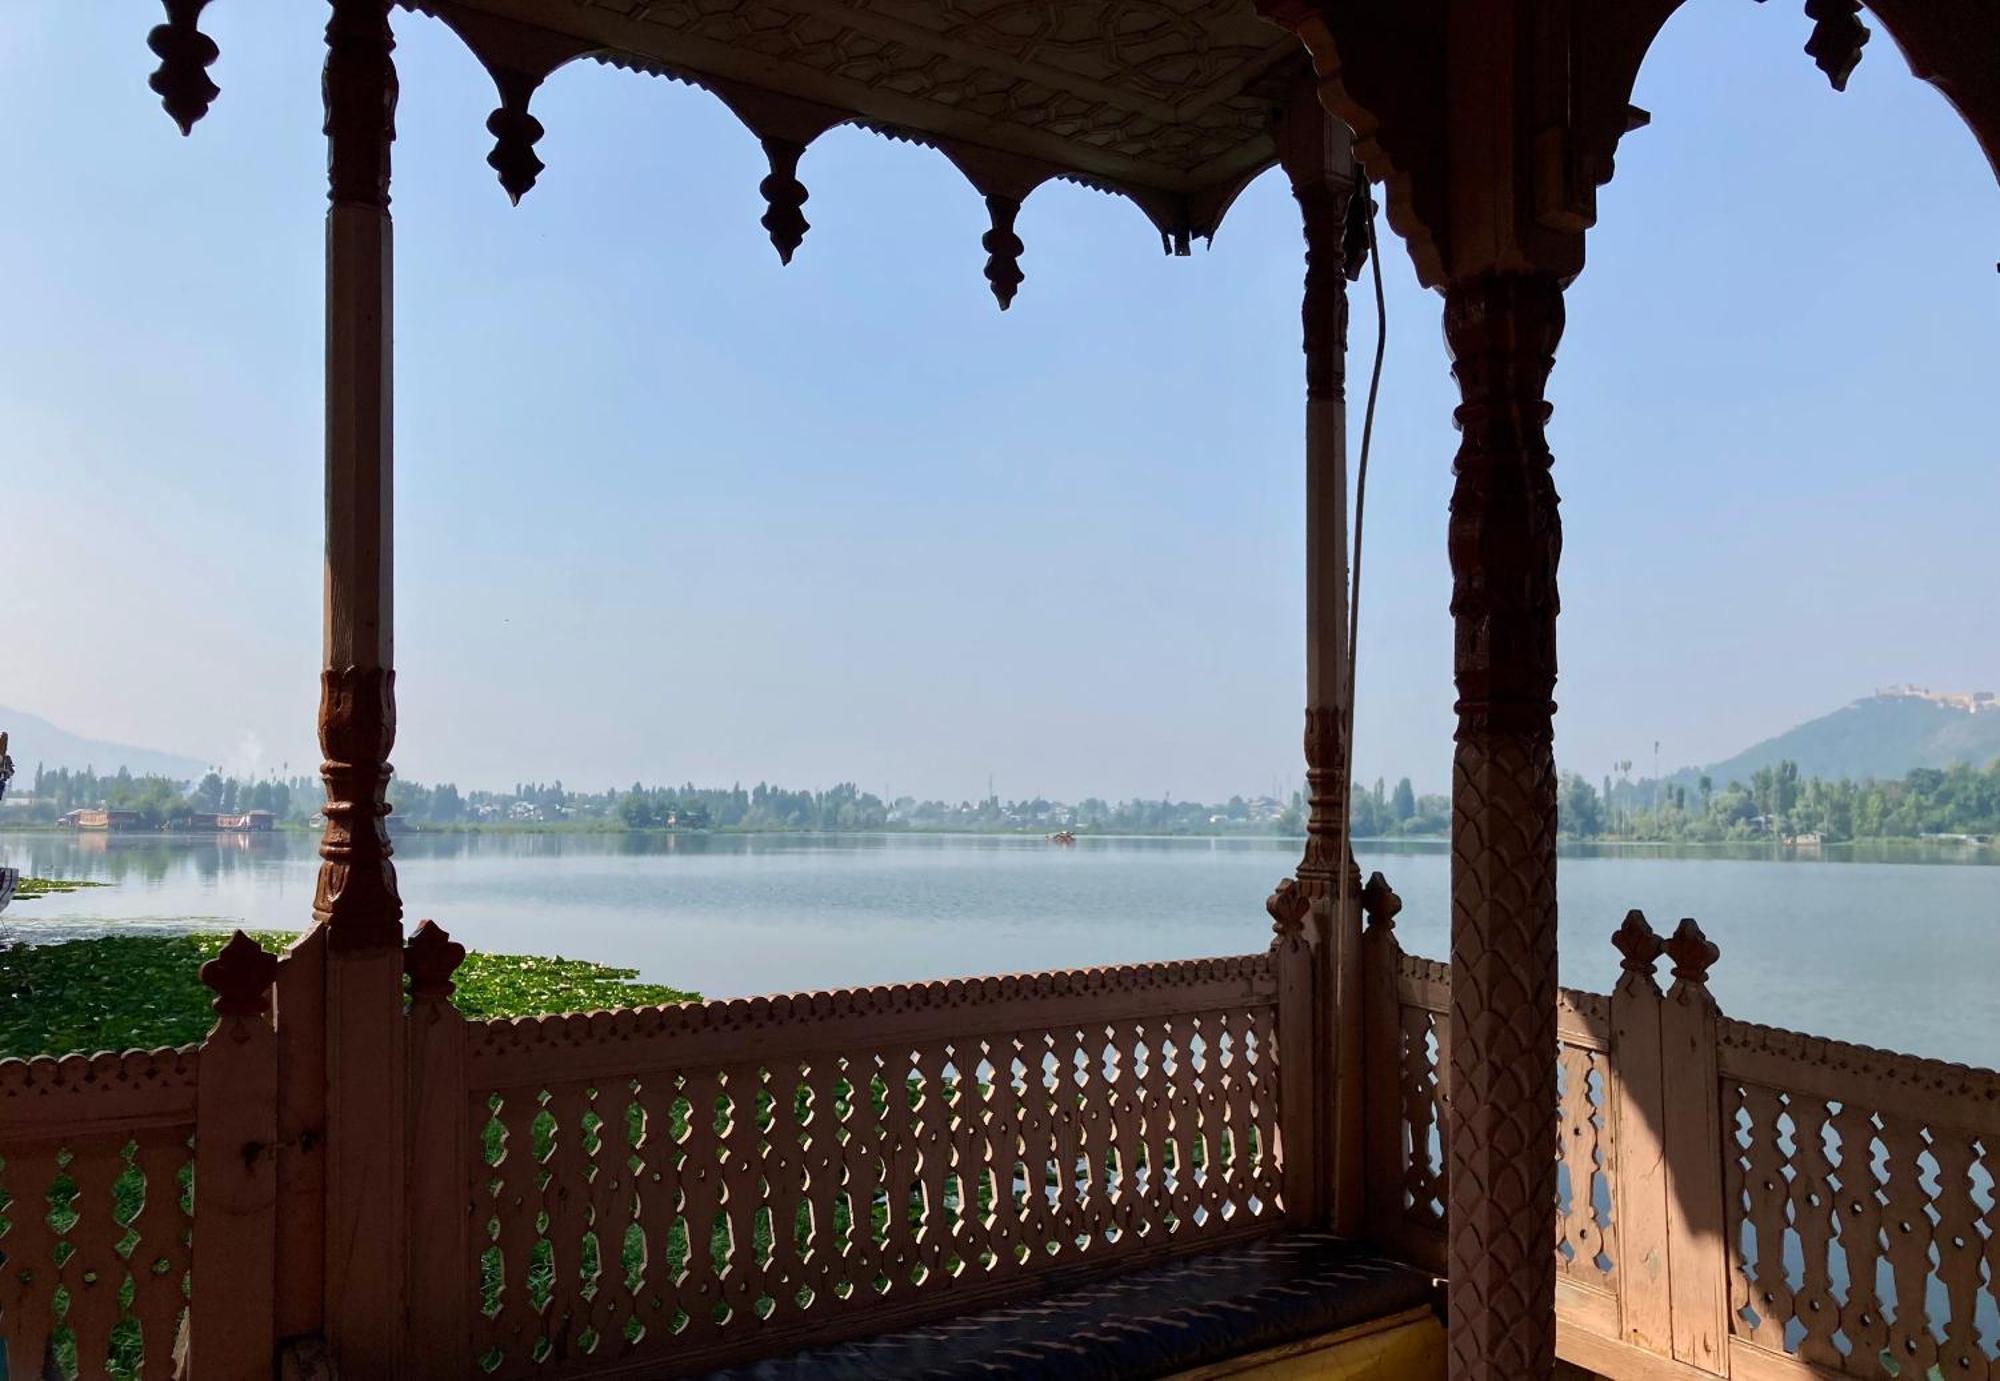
{"x": 1061, "y": 1174}
{"x": 382, "y": 1188}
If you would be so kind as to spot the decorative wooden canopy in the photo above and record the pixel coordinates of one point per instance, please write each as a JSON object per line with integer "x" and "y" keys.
{"x": 1172, "y": 103}
{"x": 1168, "y": 102}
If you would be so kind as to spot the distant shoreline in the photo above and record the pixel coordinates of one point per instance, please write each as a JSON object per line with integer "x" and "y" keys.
{"x": 1741, "y": 848}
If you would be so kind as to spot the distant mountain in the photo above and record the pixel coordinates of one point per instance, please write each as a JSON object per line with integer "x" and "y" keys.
{"x": 1883, "y": 736}
{"x": 35, "y": 741}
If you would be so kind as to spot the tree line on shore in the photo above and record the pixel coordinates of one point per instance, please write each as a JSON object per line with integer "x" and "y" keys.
{"x": 158, "y": 802}
{"x": 1776, "y": 803}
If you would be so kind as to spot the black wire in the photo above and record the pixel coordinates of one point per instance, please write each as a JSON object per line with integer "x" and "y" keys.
{"x": 1360, "y": 515}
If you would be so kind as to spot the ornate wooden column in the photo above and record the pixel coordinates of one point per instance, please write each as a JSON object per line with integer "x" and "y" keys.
{"x": 356, "y": 900}
{"x": 1505, "y": 540}
{"x": 1318, "y": 156}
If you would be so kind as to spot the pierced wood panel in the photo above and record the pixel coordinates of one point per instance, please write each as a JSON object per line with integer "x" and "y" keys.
{"x": 737, "y": 1202}
{"x": 1864, "y": 1241}
{"x": 1426, "y": 1056}
{"x": 96, "y": 1176}
{"x": 1586, "y": 1242}
{"x": 1862, "y": 1188}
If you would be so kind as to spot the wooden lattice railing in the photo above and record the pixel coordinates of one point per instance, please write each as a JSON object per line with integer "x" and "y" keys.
{"x": 103, "y": 1272}
{"x": 729, "y": 1179}
{"x": 1733, "y": 1200}
{"x": 96, "y": 1171}
{"x": 722, "y": 1181}
{"x": 1861, "y": 1205}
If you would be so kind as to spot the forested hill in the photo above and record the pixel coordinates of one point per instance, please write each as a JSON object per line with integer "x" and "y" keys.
{"x": 38, "y": 743}
{"x": 1884, "y": 737}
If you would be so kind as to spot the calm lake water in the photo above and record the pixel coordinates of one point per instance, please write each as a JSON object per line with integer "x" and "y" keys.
{"x": 1894, "y": 947}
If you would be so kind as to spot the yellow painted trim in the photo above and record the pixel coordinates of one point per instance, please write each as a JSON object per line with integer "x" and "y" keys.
{"x": 1402, "y": 1347}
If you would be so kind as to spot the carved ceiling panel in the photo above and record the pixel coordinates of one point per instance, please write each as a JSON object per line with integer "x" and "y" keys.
{"x": 1168, "y": 96}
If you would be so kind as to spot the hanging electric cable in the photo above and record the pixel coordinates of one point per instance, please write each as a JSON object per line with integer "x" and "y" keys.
{"x": 1354, "y": 577}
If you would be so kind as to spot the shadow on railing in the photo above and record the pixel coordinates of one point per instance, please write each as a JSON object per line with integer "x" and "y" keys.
{"x": 1733, "y": 1199}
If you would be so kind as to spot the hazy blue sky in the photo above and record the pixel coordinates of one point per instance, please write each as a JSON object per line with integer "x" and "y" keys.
{"x": 668, "y": 511}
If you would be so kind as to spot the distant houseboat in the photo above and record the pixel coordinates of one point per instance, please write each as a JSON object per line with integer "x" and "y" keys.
{"x": 202, "y": 821}
{"x": 102, "y": 820}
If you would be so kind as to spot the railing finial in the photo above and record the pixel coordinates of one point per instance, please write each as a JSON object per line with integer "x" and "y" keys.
{"x": 1638, "y": 942}
{"x": 1693, "y": 953}
{"x": 430, "y": 958}
{"x": 1380, "y": 904}
{"x": 1288, "y": 905}
{"x": 241, "y": 977}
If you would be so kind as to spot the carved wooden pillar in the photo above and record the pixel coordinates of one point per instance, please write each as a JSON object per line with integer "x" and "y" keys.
{"x": 1318, "y": 156}
{"x": 1505, "y": 539}
{"x": 356, "y": 899}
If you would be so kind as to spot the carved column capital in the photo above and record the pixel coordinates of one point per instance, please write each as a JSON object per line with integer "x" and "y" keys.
{"x": 1323, "y": 209}
{"x": 1505, "y": 533}
{"x": 360, "y": 90}
{"x": 1318, "y": 157}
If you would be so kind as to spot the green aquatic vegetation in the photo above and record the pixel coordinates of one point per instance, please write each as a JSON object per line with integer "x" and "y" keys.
{"x": 523, "y": 985}
{"x": 30, "y": 888}
{"x": 123, "y": 992}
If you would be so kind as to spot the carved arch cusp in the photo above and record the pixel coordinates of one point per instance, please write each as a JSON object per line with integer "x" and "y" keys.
{"x": 785, "y": 126}
{"x": 519, "y": 58}
{"x": 1003, "y": 181}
